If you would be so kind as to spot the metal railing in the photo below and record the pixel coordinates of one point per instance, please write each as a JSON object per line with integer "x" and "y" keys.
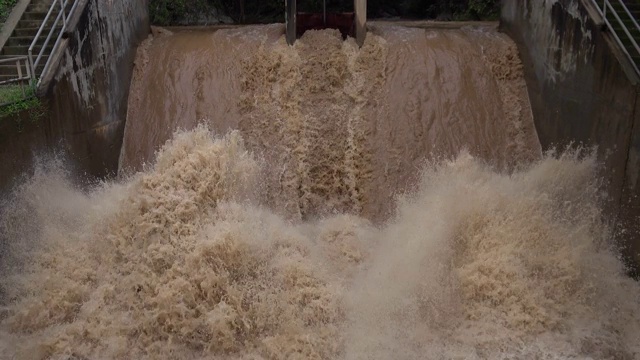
{"x": 20, "y": 62}
{"x": 608, "y": 8}
{"x": 27, "y": 65}
{"x": 61, "y": 16}
{"x": 23, "y": 69}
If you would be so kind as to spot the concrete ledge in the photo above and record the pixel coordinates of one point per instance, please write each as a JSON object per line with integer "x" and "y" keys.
{"x": 12, "y": 21}
{"x": 440, "y": 25}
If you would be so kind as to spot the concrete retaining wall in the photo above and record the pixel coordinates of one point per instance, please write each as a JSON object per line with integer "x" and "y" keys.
{"x": 88, "y": 91}
{"x": 23, "y": 137}
{"x": 582, "y": 90}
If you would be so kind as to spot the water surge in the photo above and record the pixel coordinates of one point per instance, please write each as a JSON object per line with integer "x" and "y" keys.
{"x": 320, "y": 201}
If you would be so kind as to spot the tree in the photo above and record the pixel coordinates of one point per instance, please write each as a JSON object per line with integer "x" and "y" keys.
{"x": 169, "y": 12}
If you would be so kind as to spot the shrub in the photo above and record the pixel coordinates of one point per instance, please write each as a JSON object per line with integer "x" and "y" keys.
{"x": 172, "y": 12}
{"x": 5, "y": 9}
{"x": 14, "y": 101}
{"x": 483, "y": 9}
{"x": 166, "y": 12}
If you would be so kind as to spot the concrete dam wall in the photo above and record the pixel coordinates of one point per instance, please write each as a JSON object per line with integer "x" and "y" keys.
{"x": 84, "y": 99}
{"x": 582, "y": 91}
{"x": 89, "y": 92}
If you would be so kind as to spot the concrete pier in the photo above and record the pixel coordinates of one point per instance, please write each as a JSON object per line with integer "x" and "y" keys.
{"x": 291, "y": 21}
{"x": 360, "y": 7}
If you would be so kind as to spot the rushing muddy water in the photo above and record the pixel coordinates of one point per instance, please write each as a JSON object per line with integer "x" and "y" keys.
{"x": 322, "y": 202}
{"x": 342, "y": 128}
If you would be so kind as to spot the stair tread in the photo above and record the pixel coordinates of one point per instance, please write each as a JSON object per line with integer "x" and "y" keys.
{"x": 24, "y": 46}
{"x": 4, "y": 56}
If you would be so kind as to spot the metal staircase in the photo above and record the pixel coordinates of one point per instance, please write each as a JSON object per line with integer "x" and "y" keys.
{"x": 622, "y": 18}
{"x": 25, "y": 55}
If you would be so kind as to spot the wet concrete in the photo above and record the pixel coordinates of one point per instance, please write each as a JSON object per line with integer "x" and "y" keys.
{"x": 583, "y": 93}
{"x": 89, "y": 90}
{"x": 22, "y": 138}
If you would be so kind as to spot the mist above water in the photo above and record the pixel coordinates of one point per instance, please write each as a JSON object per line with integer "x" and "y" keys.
{"x": 334, "y": 203}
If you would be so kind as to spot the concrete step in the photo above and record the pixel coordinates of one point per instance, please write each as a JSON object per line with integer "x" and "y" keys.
{"x": 24, "y": 50}
{"x": 26, "y": 40}
{"x": 30, "y": 32}
{"x": 13, "y": 71}
{"x": 30, "y": 15}
{"x": 3, "y": 57}
{"x": 628, "y": 24}
{"x": 631, "y": 5}
{"x": 625, "y": 38}
{"x": 45, "y": 8}
{"x": 40, "y": 6}
{"x": 623, "y": 16}
{"x": 36, "y": 23}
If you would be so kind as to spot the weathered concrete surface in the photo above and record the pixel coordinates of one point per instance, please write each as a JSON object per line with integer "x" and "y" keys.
{"x": 88, "y": 91}
{"x": 23, "y": 137}
{"x": 630, "y": 209}
{"x": 583, "y": 92}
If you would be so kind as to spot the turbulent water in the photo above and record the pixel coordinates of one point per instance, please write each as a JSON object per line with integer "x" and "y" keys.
{"x": 389, "y": 202}
{"x": 342, "y": 128}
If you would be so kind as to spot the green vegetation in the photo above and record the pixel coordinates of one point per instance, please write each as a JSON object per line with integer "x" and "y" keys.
{"x": 15, "y": 93}
{"x": 171, "y": 12}
{"x": 437, "y": 9}
{"x": 5, "y": 9}
{"x": 167, "y": 12}
{"x": 14, "y": 102}
{"x": 483, "y": 9}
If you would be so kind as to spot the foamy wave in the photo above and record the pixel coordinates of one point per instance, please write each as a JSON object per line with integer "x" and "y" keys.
{"x": 178, "y": 262}
{"x": 178, "y": 268}
{"x": 479, "y": 264}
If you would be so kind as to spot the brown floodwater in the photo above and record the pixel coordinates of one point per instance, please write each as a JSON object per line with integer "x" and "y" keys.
{"x": 320, "y": 201}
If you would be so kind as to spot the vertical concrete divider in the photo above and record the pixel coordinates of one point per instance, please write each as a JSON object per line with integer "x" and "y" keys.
{"x": 87, "y": 91}
{"x": 360, "y": 7}
{"x": 583, "y": 92}
{"x": 291, "y": 19}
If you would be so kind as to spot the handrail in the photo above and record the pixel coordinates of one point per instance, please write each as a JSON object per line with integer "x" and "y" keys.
{"x": 62, "y": 5}
{"x": 18, "y": 60}
{"x": 608, "y": 7}
{"x": 27, "y": 62}
{"x": 626, "y": 9}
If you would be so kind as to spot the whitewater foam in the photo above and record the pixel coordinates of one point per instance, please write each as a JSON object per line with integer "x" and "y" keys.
{"x": 180, "y": 262}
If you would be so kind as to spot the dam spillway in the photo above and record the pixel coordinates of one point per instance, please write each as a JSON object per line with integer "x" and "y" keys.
{"x": 321, "y": 201}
